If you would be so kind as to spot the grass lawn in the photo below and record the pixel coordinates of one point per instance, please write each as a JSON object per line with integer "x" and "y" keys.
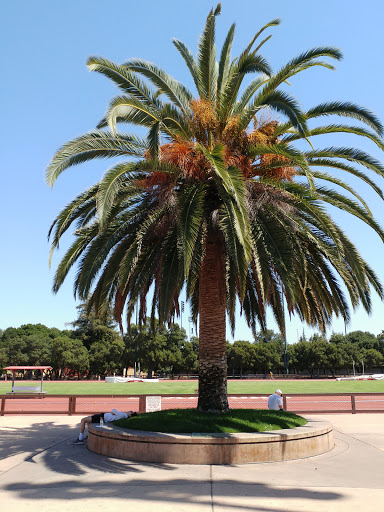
{"x": 188, "y": 421}
{"x": 188, "y": 387}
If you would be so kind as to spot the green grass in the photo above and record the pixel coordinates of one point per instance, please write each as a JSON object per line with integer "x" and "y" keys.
{"x": 189, "y": 387}
{"x": 188, "y": 421}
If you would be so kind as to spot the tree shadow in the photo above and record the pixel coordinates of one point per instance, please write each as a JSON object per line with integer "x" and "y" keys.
{"x": 52, "y": 444}
{"x": 176, "y": 491}
{"x": 34, "y": 438}
{"x": 77, "y": 460}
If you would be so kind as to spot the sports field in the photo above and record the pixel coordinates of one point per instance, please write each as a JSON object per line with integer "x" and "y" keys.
{"x": 189, "y": 387}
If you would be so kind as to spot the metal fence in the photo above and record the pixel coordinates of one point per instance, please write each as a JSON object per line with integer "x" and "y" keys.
{"x": 90, "y": 404}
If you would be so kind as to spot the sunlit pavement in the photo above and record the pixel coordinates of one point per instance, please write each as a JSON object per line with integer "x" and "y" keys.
{"x": 40, "y": 470}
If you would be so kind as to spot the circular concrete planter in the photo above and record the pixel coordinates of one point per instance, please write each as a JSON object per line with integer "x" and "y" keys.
{"x": 314, "y": 438}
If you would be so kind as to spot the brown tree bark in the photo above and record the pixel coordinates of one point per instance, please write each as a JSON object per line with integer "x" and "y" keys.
{"x": 212, "y": 339}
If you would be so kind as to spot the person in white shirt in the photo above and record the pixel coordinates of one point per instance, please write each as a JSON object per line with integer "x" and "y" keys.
{"x": 108, "y": 417}
{"x": 275, "y": 401}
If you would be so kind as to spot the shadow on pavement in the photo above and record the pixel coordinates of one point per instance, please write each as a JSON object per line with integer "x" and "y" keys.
{"x": 77, "y": 460}
{"x": 36, "y": 437}
{"x": 171, "y": 492}
{"x": 52, "y": 444}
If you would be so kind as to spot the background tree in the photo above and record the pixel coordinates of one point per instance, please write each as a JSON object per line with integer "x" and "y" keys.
{"x": 77, "y": 359}
{"x": 160, "y": 349}
{"x": 106, "y": 356}
{"x": 337, "y": 338}
{"x": 189, "y": 355}
{"x": 268, "y": 336}
{"x": 68, "y": 353}
{"x": 29, "y": 344}
{"x": 17, "y": 351}
{"x": 372, "y": 358}
{"x": 177, "y": 343}
{"x": 241, "y": 356}
{"x": 335, "y": 357}
{"x": 267, "y": 357}
{"x": 380, "y": 339}
{"x": 34, "y": 344}
{"x": 365, "y": 339}
{"x": 311, "y": 355}
{"x": 91, "y": 329}
{"x": 38, "y": 348}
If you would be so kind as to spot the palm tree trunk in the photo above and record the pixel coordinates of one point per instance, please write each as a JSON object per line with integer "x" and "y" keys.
{"x": 212, "y": 340}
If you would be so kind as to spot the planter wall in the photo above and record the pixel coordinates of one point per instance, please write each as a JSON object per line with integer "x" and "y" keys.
{"x": 312, "y": 439}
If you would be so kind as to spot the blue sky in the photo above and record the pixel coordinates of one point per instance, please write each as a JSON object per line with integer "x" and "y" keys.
{"x": 49, "y": 97}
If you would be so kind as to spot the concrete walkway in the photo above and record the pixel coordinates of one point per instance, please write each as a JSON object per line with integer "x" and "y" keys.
{"x": 40, "y": 470}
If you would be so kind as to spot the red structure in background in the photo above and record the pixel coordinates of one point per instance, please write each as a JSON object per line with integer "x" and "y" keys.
{"x": 15, "y": 369}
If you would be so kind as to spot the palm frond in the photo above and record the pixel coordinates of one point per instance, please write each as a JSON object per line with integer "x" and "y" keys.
{"x": 206, "y": 60}
{"x": 238, "y": 70}
{"x": 247, "y": 62}
{"x": 337, "y": 128}
{"x": 90, "y": 146}
{"x": 347, "y": 109}
{"x": 248, "y": 93}
{"x": 154, "y": 140}
{"x": 190, "y": 219}
{"x": 123, "y": 78}
{"x": 171, "y": 279}
{"x": 109, "y": 187}
{"x": 350, "y": 154}
{"x": 175, "y": 122}
{"x": 237, "y": 257}
{"x": 332, "y": 179}
{"x": 231, "y": 183}
{"x": 247, "y": 51}
{"x": 72, "y": 255}
{"x": 292, "y": 156}
{"x": 225, "y": 59}
{"x": 300, "y": 63}
{"x": 279, "y": 101}
{"x": 128, "y": 109}
{"x": 189, "y": 59}
{"x": 348, "y": 205}
{"x": 83, "y": 206}
{"x": 327, "y": 162}
{"x": 167, "y": 85}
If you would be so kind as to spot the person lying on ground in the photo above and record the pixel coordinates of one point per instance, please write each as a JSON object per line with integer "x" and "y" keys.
{"x": 108, "y": 417}
{"x": 275, "y": 402}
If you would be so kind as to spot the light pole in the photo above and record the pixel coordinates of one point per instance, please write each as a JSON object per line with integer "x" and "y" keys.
{"x": 285, "y": 355}
{"x": 134, "y": 371}
{"x": 137, "y": 330}
{"x": 190, "y": 319}
{"x": 181, "y": 316}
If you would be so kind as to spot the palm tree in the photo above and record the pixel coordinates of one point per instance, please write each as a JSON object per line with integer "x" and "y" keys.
{"x": 218, "y": 197}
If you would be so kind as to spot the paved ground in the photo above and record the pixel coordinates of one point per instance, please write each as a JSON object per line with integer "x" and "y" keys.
{"x": 41, "y": 471}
